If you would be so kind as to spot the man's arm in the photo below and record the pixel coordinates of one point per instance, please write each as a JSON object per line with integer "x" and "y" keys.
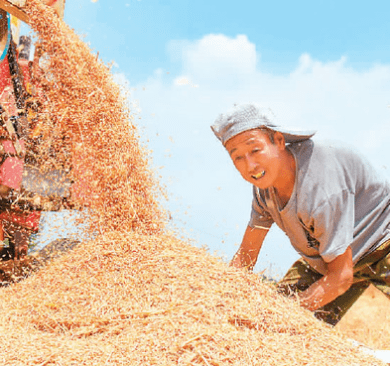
{"x": 248, "y": 252}
{"x": 335, "y": 282}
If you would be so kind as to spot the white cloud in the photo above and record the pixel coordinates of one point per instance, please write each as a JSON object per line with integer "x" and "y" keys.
{"x": 328, "y": 96}
{"x": 182, "y": 81}
{"x": 331, "y": 97}
{"x": 215, "y": 56}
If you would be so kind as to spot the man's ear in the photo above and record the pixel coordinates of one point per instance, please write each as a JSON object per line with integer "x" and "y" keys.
{"x": 279, "y": 140}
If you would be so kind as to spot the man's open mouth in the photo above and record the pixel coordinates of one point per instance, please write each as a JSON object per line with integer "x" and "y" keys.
{"x": 258, "y": 175}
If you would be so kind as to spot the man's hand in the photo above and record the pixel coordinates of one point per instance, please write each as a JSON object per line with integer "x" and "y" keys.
{"x": 248, "y": 252}
{"x": 335, "y": 282}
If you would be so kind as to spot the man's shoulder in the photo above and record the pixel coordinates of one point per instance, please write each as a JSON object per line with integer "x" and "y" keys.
{"x": 324, "y": 146}
{"x": 332, "y": 167}
{"x": 326, "y": 153}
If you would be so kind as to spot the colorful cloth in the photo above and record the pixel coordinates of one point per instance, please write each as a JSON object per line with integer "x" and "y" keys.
{"x": 11, "y": 170}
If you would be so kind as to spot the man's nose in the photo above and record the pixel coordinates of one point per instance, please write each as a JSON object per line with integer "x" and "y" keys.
{"x": 251, "y": 164}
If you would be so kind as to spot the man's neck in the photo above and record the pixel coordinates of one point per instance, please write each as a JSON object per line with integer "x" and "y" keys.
{"x": 285, "y": 185}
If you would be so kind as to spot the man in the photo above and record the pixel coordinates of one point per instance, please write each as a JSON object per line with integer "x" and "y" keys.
{"x": 329, "y": 200}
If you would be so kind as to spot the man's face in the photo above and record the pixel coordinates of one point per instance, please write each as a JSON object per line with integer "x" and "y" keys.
{"x": 258, "y": 159}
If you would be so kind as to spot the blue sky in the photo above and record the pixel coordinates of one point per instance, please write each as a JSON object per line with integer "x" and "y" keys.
{"x": 137, "y": 32}
{"x": 322, "y": 65}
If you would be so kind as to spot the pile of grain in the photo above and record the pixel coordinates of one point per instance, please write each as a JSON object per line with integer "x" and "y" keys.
{"x": 368, "y": 320}
{"x": 131, "y": 299}
{"x": 137, "y": 296}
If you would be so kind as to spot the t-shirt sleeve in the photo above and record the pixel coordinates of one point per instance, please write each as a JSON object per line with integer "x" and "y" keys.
{"x": 334, "y": 224}
{"x": 260, "y": 217}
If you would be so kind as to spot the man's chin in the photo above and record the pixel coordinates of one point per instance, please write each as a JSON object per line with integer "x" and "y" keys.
{"x": 260, "y": 183}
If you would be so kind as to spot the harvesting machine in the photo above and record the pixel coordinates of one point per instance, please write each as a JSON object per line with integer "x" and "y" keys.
{"x": 24, "y": 191}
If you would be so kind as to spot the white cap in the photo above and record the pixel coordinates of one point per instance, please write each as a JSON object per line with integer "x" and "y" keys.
{"x": 244, "y": 117}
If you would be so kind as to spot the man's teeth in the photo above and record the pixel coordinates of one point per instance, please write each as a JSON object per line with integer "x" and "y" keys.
{"x": 258, "y": 175}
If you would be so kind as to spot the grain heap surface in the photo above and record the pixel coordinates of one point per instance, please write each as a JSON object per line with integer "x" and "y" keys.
{"x": 134, "y": 295}
{"x": 131, "y": 299}
{"x": 368, "y": 321}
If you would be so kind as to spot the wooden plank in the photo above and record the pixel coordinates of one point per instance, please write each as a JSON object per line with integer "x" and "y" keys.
{"x": 13, "y": 9}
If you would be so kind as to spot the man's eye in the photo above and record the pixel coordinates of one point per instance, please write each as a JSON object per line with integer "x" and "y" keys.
{"x": 238, "y": 158}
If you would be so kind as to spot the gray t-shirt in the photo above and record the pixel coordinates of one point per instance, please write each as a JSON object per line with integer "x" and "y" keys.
{"x": 339, "y": 200}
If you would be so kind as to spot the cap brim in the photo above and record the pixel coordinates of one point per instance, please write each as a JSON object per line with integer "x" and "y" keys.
{"x": 291, "y": 136}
